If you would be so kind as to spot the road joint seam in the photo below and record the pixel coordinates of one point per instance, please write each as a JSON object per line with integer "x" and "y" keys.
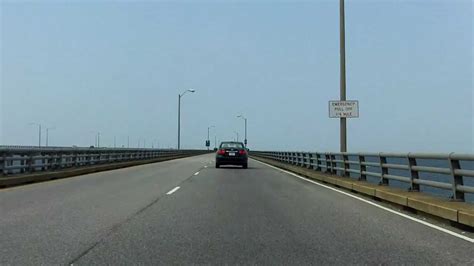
{"x": 117, "y": 226}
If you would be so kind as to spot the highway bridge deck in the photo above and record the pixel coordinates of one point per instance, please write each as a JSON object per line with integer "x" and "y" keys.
{"x": 260, "y": 215}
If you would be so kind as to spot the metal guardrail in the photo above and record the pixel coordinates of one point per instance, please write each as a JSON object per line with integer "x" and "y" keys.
{"x": 359, "y": 164}
{"x": 21, "y": 159}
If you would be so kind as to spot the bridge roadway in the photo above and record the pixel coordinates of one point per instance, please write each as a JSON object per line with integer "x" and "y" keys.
{"x": 230, "y": 215}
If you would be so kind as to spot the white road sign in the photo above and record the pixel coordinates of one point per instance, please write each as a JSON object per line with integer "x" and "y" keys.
{"x": 338, "y": 109}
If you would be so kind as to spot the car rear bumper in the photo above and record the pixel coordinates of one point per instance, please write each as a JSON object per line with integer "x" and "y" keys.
{"x": 229, "y": 160}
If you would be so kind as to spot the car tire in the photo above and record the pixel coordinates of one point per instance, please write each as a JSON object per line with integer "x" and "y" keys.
{"x": 245, "y": 166}
{"x": 218, "y": 165}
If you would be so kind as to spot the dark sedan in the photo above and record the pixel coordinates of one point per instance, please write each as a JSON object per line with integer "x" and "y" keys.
{"x": 232, "y": 153}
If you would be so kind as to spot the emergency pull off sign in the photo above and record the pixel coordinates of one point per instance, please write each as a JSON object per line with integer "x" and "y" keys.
{"x": 340, "y": 109}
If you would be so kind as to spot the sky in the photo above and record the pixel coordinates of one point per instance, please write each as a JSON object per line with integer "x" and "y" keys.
{"x": 117, "y": 68}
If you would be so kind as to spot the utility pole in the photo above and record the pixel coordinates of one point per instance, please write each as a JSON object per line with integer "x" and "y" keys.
{"x": 342, "y": 46}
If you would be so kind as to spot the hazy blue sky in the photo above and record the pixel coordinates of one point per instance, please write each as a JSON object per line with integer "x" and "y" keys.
{"x": 118, "y": 67}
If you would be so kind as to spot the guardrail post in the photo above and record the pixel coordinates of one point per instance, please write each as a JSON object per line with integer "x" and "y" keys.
{"x": 328, "y": 163}
{"x": 310, "y": 161}
{"x": 457, "y": 179}
{"x": 333, "y": 163}
{"x": 413, "y": 174}
{"x": 345, "y": 164}
{"x": 56, "y": 163}
{"x": 383, "y": 170}
{"x": 30, "y": 163}
{"x": 51, "y": 161}
{"x": 22, "y": 163}
{"x": 3, "y": 163}
{"x": 75, "y": 159}
{"x": 44, "y": 165}
{"x": 362, "y": 168}
{"x": 318, "y": 157}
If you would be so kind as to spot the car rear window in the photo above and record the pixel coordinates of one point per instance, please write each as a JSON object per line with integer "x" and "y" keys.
{"x": 232, "y": 145}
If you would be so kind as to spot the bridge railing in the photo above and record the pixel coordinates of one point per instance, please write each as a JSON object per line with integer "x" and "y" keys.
{"x": 449, "y": 172}
{"x": 21, "y": 159}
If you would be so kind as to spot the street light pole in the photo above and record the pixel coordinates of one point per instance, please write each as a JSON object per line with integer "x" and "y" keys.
{"x": 245, "y": 119}
{"x": 47, "y": 135}
{"x": 179, "y": 116}
{"x": 343, "y": 124}
{"x": 39, "y": 132}
{"x": 208, "y": 140}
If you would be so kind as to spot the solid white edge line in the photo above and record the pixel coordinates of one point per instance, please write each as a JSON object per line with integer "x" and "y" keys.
{"x": 172, "y": 191}
{"x": 374, "y": 204}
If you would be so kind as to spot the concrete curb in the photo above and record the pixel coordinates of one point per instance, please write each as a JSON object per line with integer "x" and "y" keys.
{"x": 71, "y": 172}
{"x": 459, "y": 212}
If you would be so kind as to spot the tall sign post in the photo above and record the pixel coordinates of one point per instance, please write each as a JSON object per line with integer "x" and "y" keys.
{"x": 342, "y": 47}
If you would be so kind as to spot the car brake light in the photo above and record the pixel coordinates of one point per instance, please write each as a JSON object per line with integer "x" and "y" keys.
{"x": 221, "y": 152}
{"x": 242, "y": 152}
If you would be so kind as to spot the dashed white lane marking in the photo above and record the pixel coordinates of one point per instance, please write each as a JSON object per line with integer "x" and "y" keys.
{"x": 468, "y": 239}
{"x": 205, "y": 166}
{"x": 172, "y": 191}
{"x": 197, "y": 173}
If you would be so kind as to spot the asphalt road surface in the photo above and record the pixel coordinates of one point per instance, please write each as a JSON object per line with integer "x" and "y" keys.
{"x": 259, "y": 215}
